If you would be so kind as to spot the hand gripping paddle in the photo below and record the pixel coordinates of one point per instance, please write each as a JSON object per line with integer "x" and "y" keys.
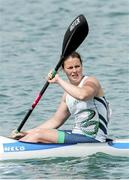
{"x": 74, "y": 36}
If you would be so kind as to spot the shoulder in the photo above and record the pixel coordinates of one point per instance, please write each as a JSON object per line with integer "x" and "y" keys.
{"x": 92, "y": 80}
{"x": 93, "y": 83}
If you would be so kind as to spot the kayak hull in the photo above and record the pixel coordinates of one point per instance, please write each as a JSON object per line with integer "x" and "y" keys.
{"x": 12, "y": 149}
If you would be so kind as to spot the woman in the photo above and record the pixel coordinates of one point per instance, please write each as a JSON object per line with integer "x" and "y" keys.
{"x": 84, "y": 99}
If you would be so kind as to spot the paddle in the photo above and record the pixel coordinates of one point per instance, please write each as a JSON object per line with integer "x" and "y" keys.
{"x": 74, "y": 36}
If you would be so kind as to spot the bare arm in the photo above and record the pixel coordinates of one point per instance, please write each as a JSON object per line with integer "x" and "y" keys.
{"x": 90, "y": 88}
{"x": 60, "y": 116}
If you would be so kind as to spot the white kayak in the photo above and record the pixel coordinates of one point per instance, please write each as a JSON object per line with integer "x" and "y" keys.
{"x": 11, "y": 149}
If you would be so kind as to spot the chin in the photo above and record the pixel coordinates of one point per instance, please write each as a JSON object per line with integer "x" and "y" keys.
{"x": 75, "y": 81}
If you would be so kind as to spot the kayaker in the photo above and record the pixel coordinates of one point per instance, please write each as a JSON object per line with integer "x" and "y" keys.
{"x": 84, "y": 99}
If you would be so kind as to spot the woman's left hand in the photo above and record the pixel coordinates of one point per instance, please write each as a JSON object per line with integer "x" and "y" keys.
{"x": 17, "y": 135}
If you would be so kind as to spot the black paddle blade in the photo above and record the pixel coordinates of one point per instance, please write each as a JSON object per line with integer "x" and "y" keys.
{"x": 75, "y": 35}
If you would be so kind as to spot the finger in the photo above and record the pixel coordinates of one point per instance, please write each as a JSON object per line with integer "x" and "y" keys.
{"x": 51, "y": 75}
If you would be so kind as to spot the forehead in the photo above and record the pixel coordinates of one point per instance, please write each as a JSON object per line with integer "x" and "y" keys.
{"x": 71, "y": 61}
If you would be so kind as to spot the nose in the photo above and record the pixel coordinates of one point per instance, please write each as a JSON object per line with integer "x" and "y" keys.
{"x": 74, "y": 69}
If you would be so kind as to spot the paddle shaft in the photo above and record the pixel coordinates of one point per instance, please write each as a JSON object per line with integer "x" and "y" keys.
{"x": 38, "y": 98}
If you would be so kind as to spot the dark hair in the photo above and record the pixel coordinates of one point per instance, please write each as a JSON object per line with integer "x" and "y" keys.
{"x": 73, "y": 55}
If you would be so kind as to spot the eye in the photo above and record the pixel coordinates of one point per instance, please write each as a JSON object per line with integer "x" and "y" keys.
{"x": 77, "y": 66}
{"x": 70, "y": 67}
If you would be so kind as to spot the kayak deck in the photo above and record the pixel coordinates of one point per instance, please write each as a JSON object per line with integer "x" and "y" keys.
{"x": 12, "y": 149}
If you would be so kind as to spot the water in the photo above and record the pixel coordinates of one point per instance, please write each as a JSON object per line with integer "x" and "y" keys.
{"x": 31, "y": 35}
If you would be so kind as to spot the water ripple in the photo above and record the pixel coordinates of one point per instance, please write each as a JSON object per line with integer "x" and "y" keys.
{"x": 31, "y": 35}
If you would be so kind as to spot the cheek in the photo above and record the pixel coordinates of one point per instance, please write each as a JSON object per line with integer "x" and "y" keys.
{"x": 80, "y": 70}
{"x": 67, "y": 72}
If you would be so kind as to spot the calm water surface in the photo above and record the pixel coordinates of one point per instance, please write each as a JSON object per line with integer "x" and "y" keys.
{"x": 31, "y": 35}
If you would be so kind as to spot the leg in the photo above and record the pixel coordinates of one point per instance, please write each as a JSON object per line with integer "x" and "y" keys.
{"x": 78, "y": 138}
{"x": 41, "y": 135}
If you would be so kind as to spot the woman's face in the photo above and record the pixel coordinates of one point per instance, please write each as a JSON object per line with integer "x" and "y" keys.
{"x": 73, "y": 70}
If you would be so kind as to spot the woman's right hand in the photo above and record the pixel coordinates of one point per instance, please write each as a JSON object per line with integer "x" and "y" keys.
{"x": 53, "y": 77}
